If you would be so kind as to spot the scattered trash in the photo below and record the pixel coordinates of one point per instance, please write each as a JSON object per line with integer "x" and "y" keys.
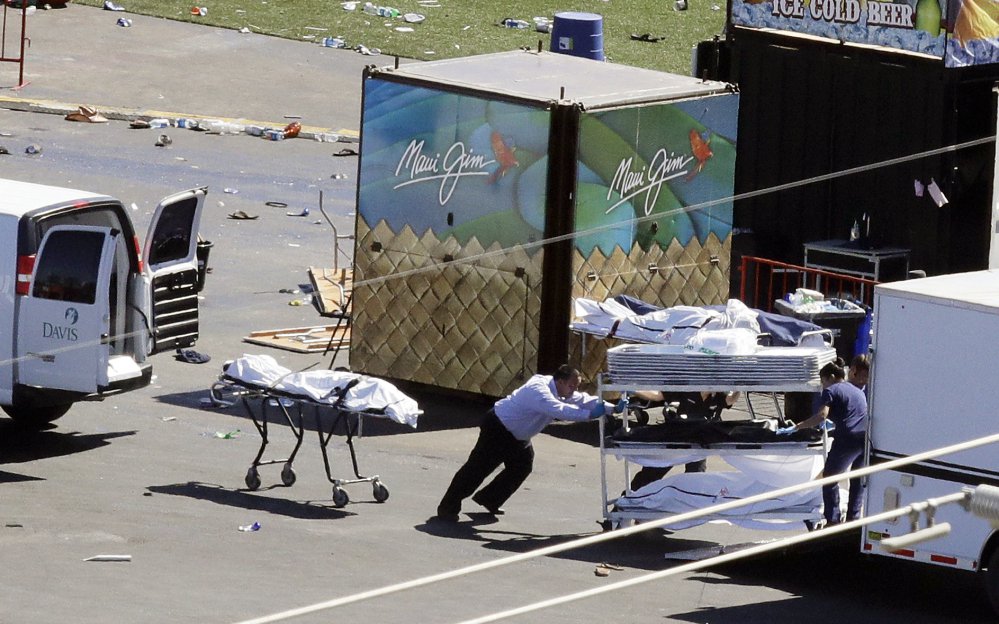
{"x": 249, "y": 528}
{"x": 111, "y": 6}
{"x": 109, "y": 558}
{"x": 542, "y": 24}
{"x": 680, "y": 5}
{"x": 514, "y": 23}
{"x": 347, "y": 151}
{"x": 274, "y": 135}
{"x": 289, "y": 291}
{"x": 191, "y": 356}
{"x": 139, "y": 124}
{"x": 34, "y": 148}
{"x": 134, "y": 207}
{"x": 14, "y": 525}
{"x": 124, "y": 22}
{"x": 368, "y": 51}
{"x": 163, "y": 140}
{"x": 414, "y": 18}
{"x": 168, "y": 418}
{"x": 339, "y": 176}
{"x": 333, "y": 42}
{"x": 403, "y": 29}
{"x": 294, "y": 245}
{"x": 715, "y": 7}
{"x": 231, "y": 191}
{"x": 604, "y": 569}
{"x": 4, "y": 150}
{"x": 276, "y": 204}
{"x": 304, "y": 213}
{"x": 291, "y": 130}
{"x": 239, "y": 215}
{"x": 86, "y": 114}
{"x": 348, "y": 6}
{"x": 646, "y": 37}
{"x": 232, "y": 435}
{"x": 199, "y": 11}
{"x": 326, "y": 137}
{"x": 255, "y": 130}
{"x": 159, "y": 122}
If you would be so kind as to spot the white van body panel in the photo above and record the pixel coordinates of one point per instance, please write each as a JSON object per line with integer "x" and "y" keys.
{"x": 61, "y": 343}
{"x": 8, "y": 277}
{"x": 932, "y": 385}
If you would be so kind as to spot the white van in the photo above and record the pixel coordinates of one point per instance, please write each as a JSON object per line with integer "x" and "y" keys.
{"x": 81, "y": 305}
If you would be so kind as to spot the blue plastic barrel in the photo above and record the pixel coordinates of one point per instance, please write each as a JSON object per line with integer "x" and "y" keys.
{"x": 578, "y": 34}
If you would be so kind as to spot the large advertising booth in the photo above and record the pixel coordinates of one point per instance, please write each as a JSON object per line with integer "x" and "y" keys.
{"x": 494, "y": 189}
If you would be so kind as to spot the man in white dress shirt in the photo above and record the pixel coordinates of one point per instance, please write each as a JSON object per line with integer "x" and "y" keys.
{"x": 505, "y": 438}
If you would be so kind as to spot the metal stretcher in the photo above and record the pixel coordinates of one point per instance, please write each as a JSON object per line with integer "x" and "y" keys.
{"x": 329, "y": 417}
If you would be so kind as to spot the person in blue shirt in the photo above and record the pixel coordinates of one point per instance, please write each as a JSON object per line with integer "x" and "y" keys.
{"x": 845, "y": 405}
{"x": 505, "y": 438}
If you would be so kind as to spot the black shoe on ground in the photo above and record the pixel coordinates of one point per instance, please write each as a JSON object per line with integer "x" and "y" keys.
{"x": 496, "y": 511}
{"x": 450, "y": 518}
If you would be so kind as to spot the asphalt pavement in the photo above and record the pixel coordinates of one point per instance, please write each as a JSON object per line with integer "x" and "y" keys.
{"x": 153, "y": 475}
{"x": 78, "y": 55}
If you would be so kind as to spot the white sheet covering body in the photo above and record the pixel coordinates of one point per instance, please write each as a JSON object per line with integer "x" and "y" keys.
{"x": 674, "y": 326}
{"x": 368, "y": 395}
{"x": 684, "y": 492}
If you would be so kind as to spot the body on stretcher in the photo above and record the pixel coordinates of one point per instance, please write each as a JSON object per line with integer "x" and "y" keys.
{"x": 335, "y": 402}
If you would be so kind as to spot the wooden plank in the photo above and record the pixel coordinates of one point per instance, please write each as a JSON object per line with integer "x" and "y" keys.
{"x": 332, "y": 288}
{"x": 302, "y": 339}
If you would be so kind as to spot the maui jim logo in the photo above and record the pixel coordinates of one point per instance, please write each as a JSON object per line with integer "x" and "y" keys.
{"x": 62, "y": 332}
{"x": 447, "y": 169}
{"x": 629, "y": 185}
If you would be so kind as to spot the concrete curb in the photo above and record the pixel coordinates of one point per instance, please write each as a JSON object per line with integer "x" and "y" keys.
{"x": 124, "y": 114}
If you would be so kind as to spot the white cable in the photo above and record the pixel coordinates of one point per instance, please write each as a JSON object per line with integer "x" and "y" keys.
{"x": 620, "y": 533}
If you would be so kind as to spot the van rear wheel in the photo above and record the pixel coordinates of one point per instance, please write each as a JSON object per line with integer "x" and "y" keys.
{"x": 35, "y": 417}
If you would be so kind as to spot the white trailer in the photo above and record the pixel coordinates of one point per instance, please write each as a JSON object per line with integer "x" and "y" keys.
{"x": 935, "y": 382}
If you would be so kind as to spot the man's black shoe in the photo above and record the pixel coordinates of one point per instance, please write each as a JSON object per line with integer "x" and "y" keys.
{"x": 450, "y": 518}
{"x": 496, "y": 511}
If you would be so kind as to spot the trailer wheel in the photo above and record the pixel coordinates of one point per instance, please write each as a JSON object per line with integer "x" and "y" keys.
{"x": 991, "y": 580}
{"x": 35, "y": 417}
{"x": 381, "y": 492}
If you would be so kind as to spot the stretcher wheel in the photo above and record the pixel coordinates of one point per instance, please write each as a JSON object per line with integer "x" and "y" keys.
{"x": 340, "y": 497}
{"x": 252, "y": 478}
{"x": 288, "y": 475}
{"x": 381, "y": 492}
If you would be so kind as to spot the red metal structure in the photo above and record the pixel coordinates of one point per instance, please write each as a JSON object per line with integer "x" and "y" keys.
{"x": 763, "y": 281}
{"x": 17, "y": 40}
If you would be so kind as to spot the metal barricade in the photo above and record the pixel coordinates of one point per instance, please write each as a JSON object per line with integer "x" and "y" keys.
{"x": 12, "y": 38}
{"x": 763, "y": 281}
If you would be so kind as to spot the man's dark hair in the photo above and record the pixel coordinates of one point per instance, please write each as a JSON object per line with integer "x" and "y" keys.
{"x": 566, "y": 372}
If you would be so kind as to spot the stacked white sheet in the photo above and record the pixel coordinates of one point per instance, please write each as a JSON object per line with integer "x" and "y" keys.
{"x": 370, "y": 395}
{"x": 770, "y": 367}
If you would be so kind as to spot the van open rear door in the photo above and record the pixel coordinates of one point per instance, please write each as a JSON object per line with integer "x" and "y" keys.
{"x": 63, "y": 324}
{"x": 172, "y": 268}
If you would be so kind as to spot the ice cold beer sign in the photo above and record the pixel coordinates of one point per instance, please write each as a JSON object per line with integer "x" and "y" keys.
{"x": 847, "y": 12}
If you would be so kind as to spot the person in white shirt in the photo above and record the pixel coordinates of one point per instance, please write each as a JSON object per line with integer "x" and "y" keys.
{"x": 505, "y": 438}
